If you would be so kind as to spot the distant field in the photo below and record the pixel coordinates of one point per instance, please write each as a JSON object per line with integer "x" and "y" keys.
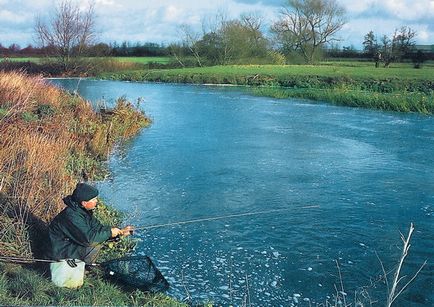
{"x": 140, "y": 60}
{"x": 27, "y": 59}
{"x": 341, "y": 63}
{"x": 143, "y": 60}
{"x": 231, "y": 73}
{"x": 365, "y": 63}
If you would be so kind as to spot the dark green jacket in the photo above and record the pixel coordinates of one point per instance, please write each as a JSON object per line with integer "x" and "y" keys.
{"x": 73, "y": 230}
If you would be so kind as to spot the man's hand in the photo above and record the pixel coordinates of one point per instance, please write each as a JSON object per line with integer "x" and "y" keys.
{"x": 122, "y": 232}
{"x": 127, "y": 231}
{"x": 115, "y": 232}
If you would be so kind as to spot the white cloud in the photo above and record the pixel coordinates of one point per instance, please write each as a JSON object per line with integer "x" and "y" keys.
{"x": 410, "y": 10}
{"x": 356, "y": 7}
{"x": 172, "y": 13}
{"x": 106, "y": 2}
{"x": 400, "y": 9}
{"x": 11, "y": 17}
{"x": 158, "y": 21}
{"x": 424, "y": 35}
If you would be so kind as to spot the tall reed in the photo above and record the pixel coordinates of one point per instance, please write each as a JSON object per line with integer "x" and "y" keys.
{"x": 48, "y": 139}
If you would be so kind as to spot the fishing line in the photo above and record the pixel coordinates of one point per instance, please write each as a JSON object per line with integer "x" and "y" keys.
{"x": 207, "y": 219}
{"x": 219, "y": 218}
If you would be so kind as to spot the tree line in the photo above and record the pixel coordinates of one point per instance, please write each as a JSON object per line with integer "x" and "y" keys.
{"x": 304, "y": 32}
{"x": 396, "y": 48}
{"x": 98, "y": 49}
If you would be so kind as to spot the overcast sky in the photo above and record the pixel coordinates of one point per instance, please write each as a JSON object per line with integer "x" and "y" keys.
{"x": 159, "y": 20}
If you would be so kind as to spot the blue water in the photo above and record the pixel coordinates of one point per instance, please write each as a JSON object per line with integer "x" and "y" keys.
{"x": 365, "y": 176}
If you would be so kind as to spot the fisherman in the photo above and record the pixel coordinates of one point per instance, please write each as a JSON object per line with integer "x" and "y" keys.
{"x": 76, "y": 236}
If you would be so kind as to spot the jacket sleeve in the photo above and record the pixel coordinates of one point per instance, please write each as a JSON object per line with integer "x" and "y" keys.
{"x": 86, "y": 234}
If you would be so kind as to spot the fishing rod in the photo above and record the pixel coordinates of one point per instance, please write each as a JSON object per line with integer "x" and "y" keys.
{"x": 207, "y": 219}
{"x": 24, "y": 260}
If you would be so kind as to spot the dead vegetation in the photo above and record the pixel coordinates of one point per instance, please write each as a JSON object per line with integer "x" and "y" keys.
{"x": 49, "y": 139}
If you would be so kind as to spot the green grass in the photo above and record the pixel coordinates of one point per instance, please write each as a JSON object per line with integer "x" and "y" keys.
{"x": 279, "y": 71}
{"x": 23, "y": 59}
{"x": 144, "y": 60}
{"x": 31, "y": 286}
{"x": 140, "y": 60}
{"x": 400, "y": 102}
{"x": 400, "y": 88}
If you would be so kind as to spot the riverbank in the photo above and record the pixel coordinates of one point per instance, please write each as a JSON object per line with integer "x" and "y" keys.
{"x": 399, "y": 89}
{"x": 50, "y": 140}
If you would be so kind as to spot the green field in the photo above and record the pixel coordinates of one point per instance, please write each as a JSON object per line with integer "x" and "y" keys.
{"x": 399, "y": 88}
{"x": 286, "y": 75}
{"x": 332, "y": 70}
{"x": 23, "y": 59}
{"x": 140, "y": 60}
{"x": 143, "y": 60}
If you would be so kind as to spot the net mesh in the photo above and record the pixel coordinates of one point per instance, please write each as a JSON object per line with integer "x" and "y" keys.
{"x": 137, "y": 272}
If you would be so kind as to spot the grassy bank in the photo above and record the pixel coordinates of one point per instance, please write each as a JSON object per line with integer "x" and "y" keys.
{"x": 399, "y": 88}
{"x": 51, "y": 139}
{"x": 20, "y": 286}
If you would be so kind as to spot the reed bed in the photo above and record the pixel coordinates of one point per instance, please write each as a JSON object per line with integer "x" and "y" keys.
{"x": 49, "y": 139}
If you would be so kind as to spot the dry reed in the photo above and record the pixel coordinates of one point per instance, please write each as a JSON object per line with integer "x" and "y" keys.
{"x": 48, "y": 138}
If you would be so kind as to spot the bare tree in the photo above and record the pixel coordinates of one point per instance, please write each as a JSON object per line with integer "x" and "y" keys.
{"x": 307, "y": 25}
{"x": 401, "y": 44}
{"x": 177, "y": 51}
{"x": 190, "y": 39}
{"x": 69, "y": 31}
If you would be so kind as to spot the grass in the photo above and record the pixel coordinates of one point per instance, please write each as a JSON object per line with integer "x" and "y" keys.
{"x": 22, "y": 59}
{"x": 29, "y": 287}
{"x": 399, "y": 88}
{"x": 400, "y": 102}
{"x": 236, "y": 74}
{"x": 140, "y": 60}
{"x": 144, "y": 60}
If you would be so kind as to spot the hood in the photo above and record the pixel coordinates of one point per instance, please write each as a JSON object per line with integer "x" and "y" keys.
{"x": 70, "y": 203}
{"x": 74, "y": 205}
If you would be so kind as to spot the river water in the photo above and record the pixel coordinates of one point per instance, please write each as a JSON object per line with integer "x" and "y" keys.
{"x": 349, "y": 179}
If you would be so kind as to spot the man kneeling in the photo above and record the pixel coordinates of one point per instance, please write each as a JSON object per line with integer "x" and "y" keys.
{"x": 76, "y": 237}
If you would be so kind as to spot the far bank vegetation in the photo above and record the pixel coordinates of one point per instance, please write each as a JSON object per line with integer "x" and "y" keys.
{"x": 303, "y": 32}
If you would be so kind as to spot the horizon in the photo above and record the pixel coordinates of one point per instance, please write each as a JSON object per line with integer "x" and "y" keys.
{"x": 159, "y": 22}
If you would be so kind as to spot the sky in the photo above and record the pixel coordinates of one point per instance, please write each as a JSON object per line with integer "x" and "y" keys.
{"x": 159, "y": 20}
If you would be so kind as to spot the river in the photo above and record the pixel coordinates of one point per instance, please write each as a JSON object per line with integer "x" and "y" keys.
{"x": 349, "y": 180}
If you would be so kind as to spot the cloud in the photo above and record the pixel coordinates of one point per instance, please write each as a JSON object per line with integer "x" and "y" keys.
{"x": 11, "y": 17}
{"x": 159, "y": 21}
{"x": 410, "y": 10}
{"x": 277, "y": 3}
{"x": 405, "y": 10}
{"x": 172, "y": 13}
